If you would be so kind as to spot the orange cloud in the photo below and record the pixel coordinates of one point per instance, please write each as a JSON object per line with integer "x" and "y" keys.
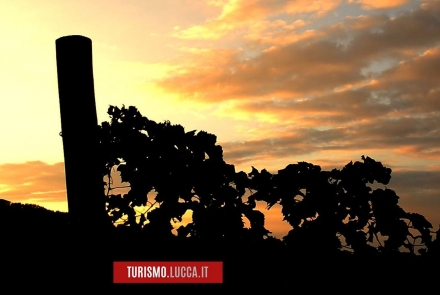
{"x": 278, "y": 32}
{"x": 328, "y": 59}
{"x": 237, "y": 14}
{"x": 33, "y": 182}
{"x": 412, "y": 85}
{"x": 318, "y": 7}
{"x": 381, "y": 4}
{"x": 367, "y": 85}
{"x": 323, "y": 81}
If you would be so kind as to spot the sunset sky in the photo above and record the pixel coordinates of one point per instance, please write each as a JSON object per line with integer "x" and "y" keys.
{"x": 277, "y": 81}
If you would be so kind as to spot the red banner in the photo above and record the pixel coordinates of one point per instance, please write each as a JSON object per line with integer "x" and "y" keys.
{"x": 167, "y": 272}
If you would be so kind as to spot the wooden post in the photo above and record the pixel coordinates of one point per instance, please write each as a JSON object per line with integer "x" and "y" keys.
{"x": 79, "y": 127}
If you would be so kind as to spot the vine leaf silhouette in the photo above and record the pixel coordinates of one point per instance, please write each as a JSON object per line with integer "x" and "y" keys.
{"x": 173, "y": 173}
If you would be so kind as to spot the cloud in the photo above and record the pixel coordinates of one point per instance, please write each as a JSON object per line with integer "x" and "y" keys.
{"x": 317, "y": 7}
{"x": 237, "y": 14}
{"x": 381, "y": 4}
{"x": 414, "y": 137}
{"x": 413, "y": 83}
{"x": 278, "y": 32}
{"x": 32, "y": 182}
{"x": 295, "y": 142}
{"x": 366, "y": 83}
{"x": 339, "y": 56}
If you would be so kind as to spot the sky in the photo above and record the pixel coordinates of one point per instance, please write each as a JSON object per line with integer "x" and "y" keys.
{"x": 277, "y": 81}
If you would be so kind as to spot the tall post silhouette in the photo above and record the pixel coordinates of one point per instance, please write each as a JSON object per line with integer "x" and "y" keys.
{"x": 79, "y": 127}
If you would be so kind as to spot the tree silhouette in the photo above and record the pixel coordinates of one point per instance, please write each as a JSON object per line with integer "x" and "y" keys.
{"x": 30, "y": 218}
{"x": 186, "y": 170}
{"x": 323, "y": 206}
{"x": 329, "y": 211}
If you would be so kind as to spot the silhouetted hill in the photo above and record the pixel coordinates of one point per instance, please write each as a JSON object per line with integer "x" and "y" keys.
{"x": 30, "y": 217}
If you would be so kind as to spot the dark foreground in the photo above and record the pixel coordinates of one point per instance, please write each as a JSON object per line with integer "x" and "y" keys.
{"x": 42, "y": 252}
{"x": 83, "y": 262}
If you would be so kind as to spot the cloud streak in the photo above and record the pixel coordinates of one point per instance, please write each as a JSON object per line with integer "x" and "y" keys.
{"x": 378, "y": 4}
{"x": 239, "y": 14}
{"x": 337, "y": 56}
{"x": 32, "y": 182}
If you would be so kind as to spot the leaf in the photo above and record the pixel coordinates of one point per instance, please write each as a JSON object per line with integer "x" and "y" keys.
{"x": 251, "y": 202}
{"x": 160, "y": 197}
{"x": 419, "y": 221}
{"x": 115, "y": 215}
{"x": 254, "y": 172}
{"x": 162, "y": 156}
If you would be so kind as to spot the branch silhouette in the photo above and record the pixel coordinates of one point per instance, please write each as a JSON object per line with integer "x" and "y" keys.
{"x": 187, "y": 173}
